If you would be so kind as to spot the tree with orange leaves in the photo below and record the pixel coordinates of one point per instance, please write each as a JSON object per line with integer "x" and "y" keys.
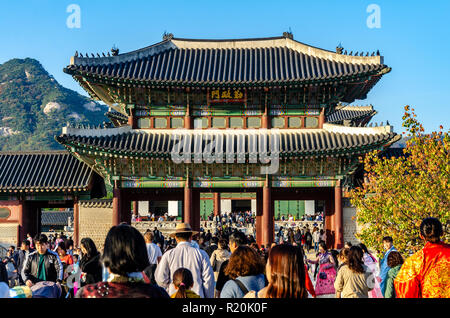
{"x": 399, "y": 192}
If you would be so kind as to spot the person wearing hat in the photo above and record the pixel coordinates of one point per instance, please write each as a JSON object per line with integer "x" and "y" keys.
{"x": 186, "y": 256}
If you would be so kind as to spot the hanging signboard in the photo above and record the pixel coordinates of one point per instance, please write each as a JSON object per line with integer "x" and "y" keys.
{"x": 226, "y": 95}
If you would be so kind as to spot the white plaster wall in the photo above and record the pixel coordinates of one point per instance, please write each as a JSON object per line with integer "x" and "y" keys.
{"x": 253, "y": 206}
{"x": 172, "y": 208}
{"x": 143, "y": 208}
{"x": 309, "y": 207}
{"x": 225, "y": 206}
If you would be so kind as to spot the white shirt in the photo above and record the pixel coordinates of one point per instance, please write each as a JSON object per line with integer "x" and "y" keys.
{"x": 154, "y": 252}
{"x": 316, "y": 236}
{"x": 184, "y": 255}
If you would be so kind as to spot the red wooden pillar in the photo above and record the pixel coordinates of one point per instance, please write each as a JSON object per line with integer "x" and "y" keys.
{"x": 322, "y": 117}
{"x": 216, "y": 203}
{"x": 136, "y": 208}
{"x": 23, "y": 223}
{"x": 267, "y": 217}
{"x": 195, "y": 212}
{"x": 188, "y": 215}
{"x": 259, "y": 214}
{"x": 132, "y": 119}
{"x": 76, "y": 222}
{"x": 338, "y": 228}
{"x": 329, "y": 210}
{"x": 117, "y": 204}
{"x": 125, "y": 210}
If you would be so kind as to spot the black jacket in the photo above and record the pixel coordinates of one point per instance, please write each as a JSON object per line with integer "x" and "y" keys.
{"x": 92, "y": 268}
{"x": 52, "y": 264}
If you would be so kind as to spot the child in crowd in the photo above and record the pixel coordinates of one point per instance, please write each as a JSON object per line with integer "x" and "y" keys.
{"x": 343, "y": 258}
{"x": 183, "y": 282}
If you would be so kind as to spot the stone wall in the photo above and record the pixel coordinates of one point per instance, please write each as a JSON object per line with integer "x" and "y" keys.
{"x": 8, "y": 233}
{"x": 349, "y": 225}
{"x": 95, "y": 220}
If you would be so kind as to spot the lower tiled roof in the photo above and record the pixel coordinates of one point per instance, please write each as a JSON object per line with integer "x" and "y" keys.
{"x": 352, "y": 113}
{"x": 118, "y": 119}
{"x": 160, "y": 144}
{"x": 50, "y": 171}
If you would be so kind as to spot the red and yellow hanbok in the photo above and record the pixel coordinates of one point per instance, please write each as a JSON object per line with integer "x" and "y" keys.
{"x": 426, "y": 274}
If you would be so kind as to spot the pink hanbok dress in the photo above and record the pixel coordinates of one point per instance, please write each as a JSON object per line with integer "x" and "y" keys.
{"x": 326, "y": 276}
{"x": 372, "y": 264}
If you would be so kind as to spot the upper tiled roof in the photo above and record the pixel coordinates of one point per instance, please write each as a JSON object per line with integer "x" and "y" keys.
{"x": 332, "y": 140}
{"x": 264, "y": 61}
{"x": 50, "y": 171}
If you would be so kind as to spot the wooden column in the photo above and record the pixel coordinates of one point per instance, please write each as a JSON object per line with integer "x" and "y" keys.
{"x": 117, "y": 204}
{"x": 125, "y": 210}
{"x": 195, "y": 212}
{"x": 265, "y": 117}
{"x": 322, "y": 117}
{"x": 76, "y": 222}
{"x": 216, "y": 203}
{"x": 187, "y": 204}
{"x": 23, "y": 222}
{"x": 329, "y": 210}
{"x": 338, "y": 229}
{"x": 187, "y": 119}
{"x": 259, "y": 215}
{"x": 136, "y": 208}
{"x": 132, "y": 119}
{"x": 267, "y": 217}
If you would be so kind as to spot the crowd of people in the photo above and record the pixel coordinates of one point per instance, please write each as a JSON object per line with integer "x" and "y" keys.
{"x": 231, "y": 264}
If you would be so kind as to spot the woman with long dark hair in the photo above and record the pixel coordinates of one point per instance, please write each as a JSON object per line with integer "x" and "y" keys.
{"x": 286, "y": 273}
{"x": 354, "y": 279}
{"x": 90, "y": 266}
{"x": 125, "y": 258}
{"x": 371, "y": 262}
{"x": 327, "y": 271}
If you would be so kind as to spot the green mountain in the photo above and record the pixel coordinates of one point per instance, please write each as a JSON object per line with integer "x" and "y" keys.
{"x": 34, "y": 107}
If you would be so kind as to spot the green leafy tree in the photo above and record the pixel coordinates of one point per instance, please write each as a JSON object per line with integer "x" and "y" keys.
{"x": 398, "y": 193}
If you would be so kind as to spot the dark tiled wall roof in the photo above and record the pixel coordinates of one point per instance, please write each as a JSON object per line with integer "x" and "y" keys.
{"x": 52, "y": 170}
{"x": 55, "y": 218}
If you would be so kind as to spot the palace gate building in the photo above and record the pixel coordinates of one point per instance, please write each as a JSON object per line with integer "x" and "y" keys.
{"x": 267, "y": 117}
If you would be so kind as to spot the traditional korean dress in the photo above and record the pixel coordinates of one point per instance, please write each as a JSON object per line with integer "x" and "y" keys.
{"x": 326, "y": 276}
{"x": 372, "y": 264}
{"x": 426, "y": 274}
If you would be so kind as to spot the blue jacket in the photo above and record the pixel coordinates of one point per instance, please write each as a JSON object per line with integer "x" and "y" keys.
{"x": 231, "y": 289}
{"x": 384, "y": 269}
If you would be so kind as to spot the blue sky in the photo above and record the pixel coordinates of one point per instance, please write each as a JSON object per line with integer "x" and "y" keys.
{"x": 414, "y": 38}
